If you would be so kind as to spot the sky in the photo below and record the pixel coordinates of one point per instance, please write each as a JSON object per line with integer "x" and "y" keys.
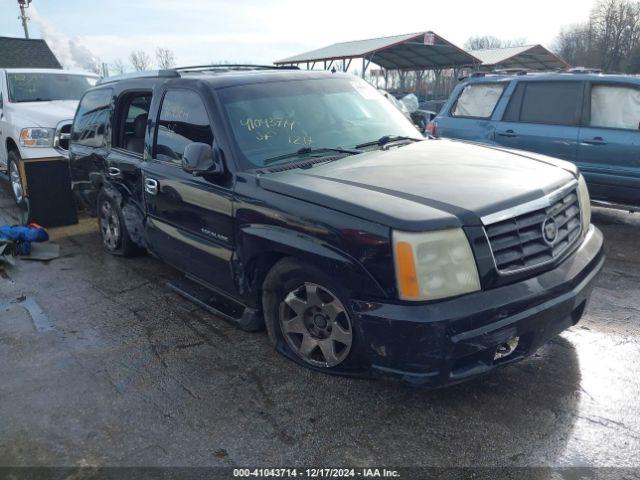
{"x": 254, "y": 31}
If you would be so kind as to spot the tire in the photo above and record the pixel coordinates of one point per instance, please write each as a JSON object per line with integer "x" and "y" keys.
{"x": 308, "y": 319}
{"x": 113, "y": 231}
{"x": 15, "y": 177}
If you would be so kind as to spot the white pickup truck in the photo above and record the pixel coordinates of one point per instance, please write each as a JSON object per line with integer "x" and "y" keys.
{"x": 36, "y": 110}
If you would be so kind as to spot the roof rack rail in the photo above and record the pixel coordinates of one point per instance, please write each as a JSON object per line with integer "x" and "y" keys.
{"x": 175, "y": 72}
{"x": 143, "y": 74}
{"x": 232, "y": 66}
{"x": 511, "y": 71}
{"x": 584, "y": 70}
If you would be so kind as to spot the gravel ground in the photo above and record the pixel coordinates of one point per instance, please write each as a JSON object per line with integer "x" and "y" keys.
{"x": 101, "y": 364}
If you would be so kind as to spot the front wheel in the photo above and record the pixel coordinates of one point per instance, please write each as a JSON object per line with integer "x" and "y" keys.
{"x": 305, "y": 314}
{"x": 15, "y": 177}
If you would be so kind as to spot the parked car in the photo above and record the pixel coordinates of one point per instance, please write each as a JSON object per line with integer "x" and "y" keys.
{"x": 422, "y": 118}
{"x": 408, "y": 106}
{"x": 589, "y": 119}
{"x": 309, "y": 203}
{"x": 36, "y": 110}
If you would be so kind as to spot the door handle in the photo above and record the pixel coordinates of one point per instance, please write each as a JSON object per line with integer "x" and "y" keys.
{"x": 507, "y": 133}
{"x": 114, "y": 172}
{"x": 151, "y": 186}
{"x": 595, "y": 141}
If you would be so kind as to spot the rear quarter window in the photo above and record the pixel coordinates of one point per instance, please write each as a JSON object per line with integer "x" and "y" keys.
{"x": 92, "y": 123}
{"x": 478, "y": 100}
{"x": 615, "y": 106}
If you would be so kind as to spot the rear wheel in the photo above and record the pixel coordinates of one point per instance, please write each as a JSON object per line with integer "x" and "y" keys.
{"x": 113, "y": 230}
{"x": 306, "y": 316}
{"x": 17, "y": 186}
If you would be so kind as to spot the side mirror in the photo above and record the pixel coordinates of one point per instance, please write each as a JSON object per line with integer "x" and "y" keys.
{"x": 200, "y": 159}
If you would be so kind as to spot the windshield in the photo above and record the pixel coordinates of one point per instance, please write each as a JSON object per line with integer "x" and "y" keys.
{"x": 44, "y": 87}
{"x": 273, "y": 119}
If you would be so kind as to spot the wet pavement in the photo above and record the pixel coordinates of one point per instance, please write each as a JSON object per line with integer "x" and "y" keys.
{"x": 101, "y": 364}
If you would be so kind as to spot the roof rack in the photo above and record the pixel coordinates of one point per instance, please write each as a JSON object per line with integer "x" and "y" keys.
{"x": 512, "y": 71}
{"x": 233, "y": 66}
{"x": 143, "y": 74}
{"x": 175, "y": 72}
{"x": 584, "y": 70}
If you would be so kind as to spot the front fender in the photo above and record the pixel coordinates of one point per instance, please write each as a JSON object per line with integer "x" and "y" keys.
{"x": 255, "y": 241}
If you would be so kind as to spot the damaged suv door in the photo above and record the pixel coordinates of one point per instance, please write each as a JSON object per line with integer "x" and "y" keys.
{"x": 189, "y": 213}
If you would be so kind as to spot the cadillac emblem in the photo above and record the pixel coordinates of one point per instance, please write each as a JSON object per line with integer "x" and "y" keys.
{"x": 550, "y": 231}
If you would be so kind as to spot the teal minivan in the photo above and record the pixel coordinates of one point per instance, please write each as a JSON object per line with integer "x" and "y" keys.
{"x": 592, "y": 120}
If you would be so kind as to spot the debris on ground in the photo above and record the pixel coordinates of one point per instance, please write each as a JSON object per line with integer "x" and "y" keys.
{"x": 26, "y": 241}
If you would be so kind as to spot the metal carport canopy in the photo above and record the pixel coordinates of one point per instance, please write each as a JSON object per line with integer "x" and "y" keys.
{"x": 535, "y": 57}
{"x": 411, "y": 51}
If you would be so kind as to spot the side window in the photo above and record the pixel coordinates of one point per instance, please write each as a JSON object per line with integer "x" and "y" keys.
{"x": 183, "y": 120}
{"x": 133, "y": 113}
{"x": 553, "y": 103}
{"x": 478, "y": 100}
{"x": 512, "y": 114}
{"x": 92, "y": 123}
{"x": 615, "y": 106}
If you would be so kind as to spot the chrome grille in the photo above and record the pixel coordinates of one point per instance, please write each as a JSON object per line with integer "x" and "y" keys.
{"x": 62, "y": 136}
{"x": 520, "y": 242}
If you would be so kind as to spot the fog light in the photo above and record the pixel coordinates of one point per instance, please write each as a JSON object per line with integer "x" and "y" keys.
{"x": 505, "y": 349}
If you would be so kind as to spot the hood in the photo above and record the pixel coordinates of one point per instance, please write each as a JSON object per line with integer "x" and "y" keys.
{"x": 426, "y": 185}
{"x": 43, "y": 114}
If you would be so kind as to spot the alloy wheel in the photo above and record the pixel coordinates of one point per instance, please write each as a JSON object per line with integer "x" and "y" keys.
{"x": 316, "y": 325}
{"x": 16, "y": 182}
{"x": 109, "y": 225}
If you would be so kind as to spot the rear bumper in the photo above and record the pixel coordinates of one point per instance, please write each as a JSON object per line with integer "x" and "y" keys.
{"x": 447, "y": 342}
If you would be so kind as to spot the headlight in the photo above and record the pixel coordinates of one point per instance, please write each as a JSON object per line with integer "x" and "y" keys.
{"x": 434, "y": 265}
{"x": 585, "y": 204}
{"x": 37, "y": 137}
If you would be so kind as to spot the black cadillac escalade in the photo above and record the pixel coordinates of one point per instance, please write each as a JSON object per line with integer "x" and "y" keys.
{"x": 304, "y": 201}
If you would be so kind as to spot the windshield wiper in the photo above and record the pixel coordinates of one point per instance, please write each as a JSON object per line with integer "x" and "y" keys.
{"x": 382, "y": 141}
{"x": 308, "y": 150}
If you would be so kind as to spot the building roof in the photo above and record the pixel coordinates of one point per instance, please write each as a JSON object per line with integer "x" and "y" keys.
{"x": 534, "y": 57}
{"x": 26, "y": 53}
{"x": 411, "y": 51}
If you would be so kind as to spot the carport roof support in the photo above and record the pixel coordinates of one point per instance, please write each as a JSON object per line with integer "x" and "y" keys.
{"x": 398, "y": 52}
{"x": 535, "y": 57}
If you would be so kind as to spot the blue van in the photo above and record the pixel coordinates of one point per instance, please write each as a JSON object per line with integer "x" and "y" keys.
{"x": 592, "y": 120}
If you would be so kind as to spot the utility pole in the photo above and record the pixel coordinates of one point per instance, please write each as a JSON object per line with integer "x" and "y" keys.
{"x": 24, "y": 4}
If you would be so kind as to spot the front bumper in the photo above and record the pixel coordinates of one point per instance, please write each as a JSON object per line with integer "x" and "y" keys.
{"x": 42, "y": 153}
{"x": 450, "y": 341}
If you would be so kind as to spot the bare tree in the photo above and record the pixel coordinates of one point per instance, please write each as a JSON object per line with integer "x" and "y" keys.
{"x": 616, "y": 24}
{"x": 118, "y": 67}
{"x": 608, "y": 40}
{"x": 489, "y": 41}
{"x": 140, "y": 60}
{"x": 165, "y": 58}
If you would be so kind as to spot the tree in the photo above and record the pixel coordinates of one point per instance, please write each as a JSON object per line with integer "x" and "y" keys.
{"x": 607, "y": 40}
{"x": 489, "y": 41}
{"x": 633, "y": 64}
{"x": 118, "y": 67}
{"x": 140, "y": 60}
{"x": 165, "y": 58}
{"x": 616, "y": 24}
